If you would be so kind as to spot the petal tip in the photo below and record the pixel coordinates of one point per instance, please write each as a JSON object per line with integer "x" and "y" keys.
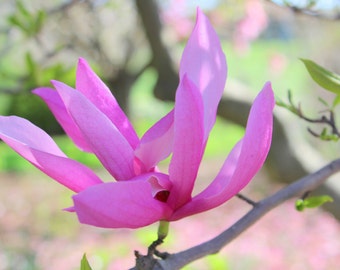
{"x": 82, "y": 62}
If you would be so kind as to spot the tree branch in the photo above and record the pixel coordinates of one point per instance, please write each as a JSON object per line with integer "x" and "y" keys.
{"x": 167, "y": 80}
{"x": 309, "y": 10}
{"x": 298, "y": 188}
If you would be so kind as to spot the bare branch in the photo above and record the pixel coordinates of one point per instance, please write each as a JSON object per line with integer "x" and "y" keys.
{"x": 310, "y": 10}
{"x": 296, "y": 189}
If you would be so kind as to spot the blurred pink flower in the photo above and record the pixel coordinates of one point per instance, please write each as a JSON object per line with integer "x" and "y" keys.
{"x": 278, "y": 63}
{"x": 142, "y": 195}
{"x": 175, "y": 15}
{"x": 252, "y": 25}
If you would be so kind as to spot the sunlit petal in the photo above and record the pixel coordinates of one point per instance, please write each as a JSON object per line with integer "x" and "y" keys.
{"x": 204, "y": 62}
{"x": 100, "y": 95}
{"x": 37, "y": 147}
{"x": 244, "y": 161}
{"x": 188, "y": 142}
{"x": 105, "y": 140}
{"x": 56, "y": 105}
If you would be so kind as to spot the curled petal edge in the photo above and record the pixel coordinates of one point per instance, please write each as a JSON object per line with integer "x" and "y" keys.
{"x": 124, "y": 204}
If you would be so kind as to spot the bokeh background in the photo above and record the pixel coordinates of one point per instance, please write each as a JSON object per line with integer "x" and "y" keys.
{"x": 135, "y": 46}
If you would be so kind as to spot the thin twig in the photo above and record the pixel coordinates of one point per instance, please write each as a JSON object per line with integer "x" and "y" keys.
{"x": 246, "y": 199}
{"x": 329, "y": 120}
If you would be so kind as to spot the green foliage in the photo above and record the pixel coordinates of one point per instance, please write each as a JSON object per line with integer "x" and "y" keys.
{"x": 336, "y": 101}
{"x": 325, "y": 135}
{"x": 29, "y": 106}
{"x": 329, "y": 133}
{"x": 39, "y": 75}
{"x": 289, "y": 106}
{"x": 84, "y": 264}
{"x": 312, "y": 202}
{"x": 217, "y": 262}
{"x": 246, "y": 69}
{"x": 323, "y": 77}
{"x": 29, "y": 23}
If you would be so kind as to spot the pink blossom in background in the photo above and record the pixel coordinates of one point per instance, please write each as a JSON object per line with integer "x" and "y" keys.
{"x": 278, "y": 63}
{"x": 141, "y": 194}
{"x": 176, "y": 17}
{"x": 251, "y": 26}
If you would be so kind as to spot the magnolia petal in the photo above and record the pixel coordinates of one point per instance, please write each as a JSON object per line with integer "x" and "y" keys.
{"x": 244, "y": 161}
{"x": 100, "y": 95}
{"x": 56, "y": 105}
{"x": 126, "y": 204}
{"x": 106, "y": 141}
{"x": 156, "y": 143}
{"x": 212, "y": 196}
{"x": 205, "y": 64}
{"x": 188, "y": 142}
{"x": 159, "y": 182}
{"x": 37, "y": 147}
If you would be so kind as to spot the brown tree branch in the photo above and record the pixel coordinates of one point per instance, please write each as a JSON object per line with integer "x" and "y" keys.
{"x": 309, "y": 10}
{"x": 298, "y": 188}
{"x": 167, "y": 80}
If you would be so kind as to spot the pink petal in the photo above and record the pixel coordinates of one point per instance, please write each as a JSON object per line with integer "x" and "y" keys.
{"x": 188, "y": 142}
{"x": 105, "y": 140}
{"x": 100, "y": 95}
{"x": 156, "y": 144}
{"x": 204, "y": 63}
{"x": 37, "y": 147}
{"x": 243, "y": 162}
{"x": 126, "y": 204}
{"x": 56, "y": 105}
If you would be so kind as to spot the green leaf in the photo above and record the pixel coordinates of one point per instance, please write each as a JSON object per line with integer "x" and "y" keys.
{"x": 336, "y": 101}
{"x": 15, "y": 21}
{"x": 316, "y": 201}
{"x": 84, "y": 264}
{"x": 40, "y": 20}
{"x": 311, "y": 4}
{"x": 291, "y": 107}
{"x": 29, "y": 23}
{"x": 326, "y": 136}
{"x": 23, "y": 11}
{"x": 323, "y": 77}
{"x": 312, "y": 202}
{"x": 299, "y": 205}
{"x": 324, "y": 102}
{"x": 33, "y": 69}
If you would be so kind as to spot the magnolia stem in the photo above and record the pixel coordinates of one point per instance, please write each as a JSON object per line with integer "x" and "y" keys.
{"x": 163, "y": 229}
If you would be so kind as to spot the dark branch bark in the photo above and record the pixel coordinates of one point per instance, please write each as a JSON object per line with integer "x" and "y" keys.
{"x": 167, "y": 76}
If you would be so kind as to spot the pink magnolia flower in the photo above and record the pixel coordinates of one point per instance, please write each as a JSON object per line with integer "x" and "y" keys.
{"x": 142, "y": 195}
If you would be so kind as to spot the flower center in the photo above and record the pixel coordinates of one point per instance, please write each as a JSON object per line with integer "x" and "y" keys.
{"x": 162, "y": 195}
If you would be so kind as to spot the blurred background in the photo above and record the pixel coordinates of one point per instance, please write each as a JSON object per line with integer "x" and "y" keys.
{"x": 135, "y": 47}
